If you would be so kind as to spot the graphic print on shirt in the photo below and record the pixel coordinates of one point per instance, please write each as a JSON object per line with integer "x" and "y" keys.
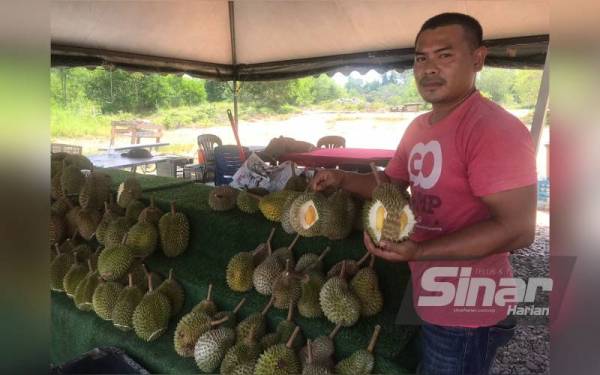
{"x": 425, "y": 168}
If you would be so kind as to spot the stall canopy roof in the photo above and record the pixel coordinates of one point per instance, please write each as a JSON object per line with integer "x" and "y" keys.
{"x": 279, "y": 39}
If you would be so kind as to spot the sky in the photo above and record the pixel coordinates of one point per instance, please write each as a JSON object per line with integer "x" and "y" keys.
{"x": 370, "y": 76}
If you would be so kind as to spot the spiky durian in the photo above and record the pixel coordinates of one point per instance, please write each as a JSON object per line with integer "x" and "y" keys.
{"x": 87, "y": 222}
{"x": 211, "y": 348}
{"x": 173, "y": 290}
{"x": 140, "y": 275}
{"x": 338, "y": 302}
{"x": 95, "y": 191}
{"x": 286, "y": 223}
{"x": 241, "y": 266}
{"x": 311, "y": 367}
{"x": 244, "y": 352}
{"x": 365, "y": 286}
{"x": 102, "y": 227}
{"x": 311, "y": 262}
{"x": 271, "y": 205}
{"x": 75, "y": 275}
{"x": 116, "y": 231}
{"x": 189, "y": 329}
{"x": 114, "y": 262}
{"x": 142, "y": 239}
{"x": 323, "y": 349}
{"x": 308, "y": 304}
{"x": 285, "y": 328}
{"x": 59, "y": 268}
{"x": 105, "y": 297}
{"x": 362, "y": 361}
{"x": 60, "y": 207}
{"x": 71, "y": 220}
{"x": 151, "y": 315}
{"x": 57, "y": 229}
{"x": 279, "y": 359}
{"x": 269, "y": 340}
{"x": 127, "y": 301}
{"x": 151, "y": 214}
{"x": 128, "y": 190}
{"x": 338, "y": 224}
{"x": 222, "y": 198}
{"x": 286, "y": 288}
{"x": 207, "y": 305}
{"x": 56, "y": 190}
{"x": 284, "y": 253}
{"x": 133, "y": 210}
{"x": 255, "y": 324}
{"x": 71, "y": 180}
{"x": 77, "y": 160}
{"x": 247, "y": 202}
{"x": 229, "y": 318}
{"x": 85, "y": 290}
{"x": 265, "y": 274}
{"x": 307, "y": 213}
{"x": 352, "y": 266}
{"x": 174, "y": 230}
{"x": 296, "y": 183}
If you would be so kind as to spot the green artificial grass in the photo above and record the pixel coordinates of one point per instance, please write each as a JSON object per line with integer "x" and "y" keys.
{"x": 215, "y": 238}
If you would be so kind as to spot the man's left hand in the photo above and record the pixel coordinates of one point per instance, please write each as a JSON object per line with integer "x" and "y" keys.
{"x": 392, "y": 251}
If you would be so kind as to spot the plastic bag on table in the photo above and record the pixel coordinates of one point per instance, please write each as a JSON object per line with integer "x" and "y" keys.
{"x": 256, "y": 173}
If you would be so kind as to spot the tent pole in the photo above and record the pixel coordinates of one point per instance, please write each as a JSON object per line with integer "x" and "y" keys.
{"x": 233, "y": 60}
{"x": 541, "y": 106}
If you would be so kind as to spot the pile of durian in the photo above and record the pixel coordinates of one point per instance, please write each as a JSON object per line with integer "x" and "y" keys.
{"x": 112, "y": 279}
{"x": 219, "y": 341}
{"x": 342, "y": 295}
{"x": 331, "y": 214}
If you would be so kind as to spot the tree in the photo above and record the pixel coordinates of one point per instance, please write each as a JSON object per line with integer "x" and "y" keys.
{"x": 217, "y": 91}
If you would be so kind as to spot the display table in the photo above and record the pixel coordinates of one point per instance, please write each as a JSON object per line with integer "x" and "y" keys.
{"x": 215, "y": 237}
{"x": 331, "y": 157}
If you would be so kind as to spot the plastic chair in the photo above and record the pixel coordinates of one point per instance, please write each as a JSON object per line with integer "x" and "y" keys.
{"x": 332, "y": 141}
{"x": 227, "y": 162}
{"x": 206, "y": 145}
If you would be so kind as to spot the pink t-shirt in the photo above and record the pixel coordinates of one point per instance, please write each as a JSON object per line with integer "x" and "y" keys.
{"x": 477, "y": 150}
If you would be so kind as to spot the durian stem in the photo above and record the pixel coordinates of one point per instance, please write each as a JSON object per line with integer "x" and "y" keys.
{"x": 292, "y": 338}
{"x": 294, "y": 242}
{"x": 215, "y": 323}
{"x": 324, "y": 253}
{"x": 239, "y": 305}
{"x": 124, "y": 238}
{"x": 149, "y": 282}
{"x": 372, "y": 261}
{"x": 287, "y": 266}
{"x": 145, "y": 269}
{"x": 170, "y": 274}
{"x": 105, "y": 206}
{"x": 130, "y": 276}
{"x": 343, "y": 270}
{"x": 89, "y": 262}
{"x": 255, "y": 196}
{"x": 374, "y": 339}
{"x": 335, "y": 331}
{"x": 375, "y": 173}
{"x": 173, "y": 207}
{"x": 363, "y": 259}
{"x": 290, "y": 314}
{"x": 268, "y": 306}
{"x": 209, "y": 293}
{"x": 271, "y": 235}
{"x": 309, "y": 351}
{"x": 56, "y": 248}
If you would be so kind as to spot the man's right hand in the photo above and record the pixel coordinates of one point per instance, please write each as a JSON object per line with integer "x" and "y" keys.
{"x": 326, "y": 178}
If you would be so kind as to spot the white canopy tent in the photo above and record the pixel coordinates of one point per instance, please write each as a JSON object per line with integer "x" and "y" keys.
{"x": 247, "y": 40}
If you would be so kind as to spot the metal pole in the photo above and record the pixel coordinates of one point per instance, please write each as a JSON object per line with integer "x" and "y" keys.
{"x": 540, "y": 108}
{"x": 233, "y": 60}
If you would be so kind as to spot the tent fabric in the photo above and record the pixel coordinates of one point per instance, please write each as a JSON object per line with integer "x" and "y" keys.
{"x": 279, "y": 39}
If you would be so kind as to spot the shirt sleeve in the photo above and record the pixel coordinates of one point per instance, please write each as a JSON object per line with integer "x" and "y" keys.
{"x": 500, "y": 156}
{"x": 397, "y": 168}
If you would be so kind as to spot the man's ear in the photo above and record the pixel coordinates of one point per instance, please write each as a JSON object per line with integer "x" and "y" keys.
{"x": 479, "y": 57}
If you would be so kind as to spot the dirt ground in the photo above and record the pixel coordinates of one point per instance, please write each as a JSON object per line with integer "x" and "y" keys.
{"x": 363, "y": 130}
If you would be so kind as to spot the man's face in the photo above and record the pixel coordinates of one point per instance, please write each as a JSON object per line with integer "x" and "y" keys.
{"x": 445, "y": 64}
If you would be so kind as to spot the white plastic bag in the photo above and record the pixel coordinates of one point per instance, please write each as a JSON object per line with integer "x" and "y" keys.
{"x": 256, "y": 173}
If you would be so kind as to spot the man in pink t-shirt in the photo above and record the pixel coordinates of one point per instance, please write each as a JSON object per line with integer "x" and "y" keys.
{"x": 470, "y": 166}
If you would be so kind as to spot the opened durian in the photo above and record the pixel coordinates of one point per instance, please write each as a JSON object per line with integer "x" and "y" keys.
{"x": 307, "y": 213}
{"x": 388, "y": 216}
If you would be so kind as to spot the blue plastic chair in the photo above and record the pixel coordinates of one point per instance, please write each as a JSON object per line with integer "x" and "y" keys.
{"x": 227, "y": 162}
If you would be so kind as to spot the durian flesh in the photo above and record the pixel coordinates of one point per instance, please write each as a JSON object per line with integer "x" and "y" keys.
{"x": 385, "y": 223}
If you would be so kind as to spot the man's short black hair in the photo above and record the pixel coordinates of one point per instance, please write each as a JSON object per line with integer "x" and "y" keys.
{"x": 470, "y": 25}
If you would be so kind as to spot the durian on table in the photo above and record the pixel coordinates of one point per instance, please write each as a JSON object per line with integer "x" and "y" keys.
{"x": 362, "y": 361}
{"x": 240, "y": 267}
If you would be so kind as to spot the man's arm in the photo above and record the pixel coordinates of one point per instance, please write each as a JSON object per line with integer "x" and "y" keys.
{"x": 511, "y": 226}
{"x": 361, "y": 184}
